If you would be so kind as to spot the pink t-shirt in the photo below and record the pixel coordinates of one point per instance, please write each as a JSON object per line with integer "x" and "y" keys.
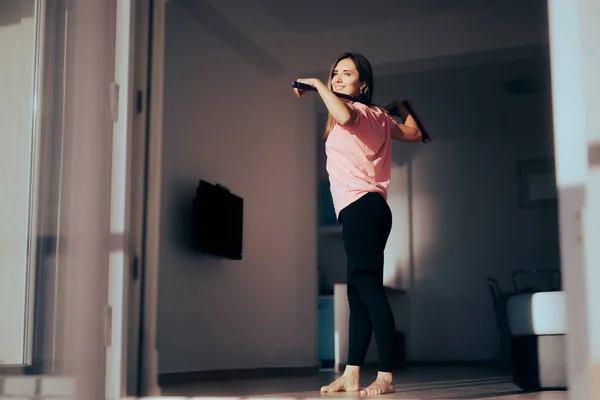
{"x": 359, "y": 157}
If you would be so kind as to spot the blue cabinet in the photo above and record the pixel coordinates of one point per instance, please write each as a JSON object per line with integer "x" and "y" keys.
{"x": 326, "y": 331}
{"x": 326, "y": 209}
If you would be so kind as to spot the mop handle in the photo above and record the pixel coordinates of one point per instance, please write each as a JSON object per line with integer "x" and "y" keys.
{"x": 426, "y": 138}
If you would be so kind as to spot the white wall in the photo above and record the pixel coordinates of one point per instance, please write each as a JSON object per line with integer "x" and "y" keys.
{"x": 229, "y": 123}
{"x": 466, "y": 222}
{"x": 17, "y": 42}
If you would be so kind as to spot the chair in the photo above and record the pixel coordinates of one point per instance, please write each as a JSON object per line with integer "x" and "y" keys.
{"x": 502, "y": 331}
{"x": 537, "y": 280}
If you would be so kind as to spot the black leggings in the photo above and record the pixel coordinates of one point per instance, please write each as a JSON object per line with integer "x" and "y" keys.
{"x": 366, "y": 225}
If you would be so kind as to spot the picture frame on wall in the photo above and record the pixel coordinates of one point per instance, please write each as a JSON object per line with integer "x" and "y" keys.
{"x": 537, "y": 183}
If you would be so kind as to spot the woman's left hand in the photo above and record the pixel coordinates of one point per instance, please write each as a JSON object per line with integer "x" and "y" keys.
{"x": 307, "y": 81}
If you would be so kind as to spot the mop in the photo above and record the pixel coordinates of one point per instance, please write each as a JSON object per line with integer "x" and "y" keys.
{"x": 426, "y": 138}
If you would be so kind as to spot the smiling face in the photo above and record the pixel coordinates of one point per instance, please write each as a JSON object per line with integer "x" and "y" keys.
{"x": 350, "y": 74}
{"x": 345, "y": 78}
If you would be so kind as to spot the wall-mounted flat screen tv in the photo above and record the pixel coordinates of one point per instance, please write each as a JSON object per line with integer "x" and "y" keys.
{"x": 218, "y": 221}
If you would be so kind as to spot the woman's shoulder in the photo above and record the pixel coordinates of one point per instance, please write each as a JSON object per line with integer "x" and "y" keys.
{"x": 365, "y": 107}
{"x": 371, "y": 110}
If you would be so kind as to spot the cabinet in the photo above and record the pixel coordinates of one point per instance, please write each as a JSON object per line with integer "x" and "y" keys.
{"x": 326, "y": 336}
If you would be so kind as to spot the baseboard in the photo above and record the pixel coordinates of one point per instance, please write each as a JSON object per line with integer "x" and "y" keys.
{"x": 436, "y": 363}
{"x": 450, "y": 363}
{"x": 176, "y": 378}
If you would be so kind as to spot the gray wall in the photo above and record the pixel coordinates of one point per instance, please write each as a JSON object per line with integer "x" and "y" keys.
{"x": 230, "y": 123}
{"x": 231, "y": 118}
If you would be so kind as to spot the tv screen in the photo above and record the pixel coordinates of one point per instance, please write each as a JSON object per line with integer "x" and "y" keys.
{"x": 218, "y": 221}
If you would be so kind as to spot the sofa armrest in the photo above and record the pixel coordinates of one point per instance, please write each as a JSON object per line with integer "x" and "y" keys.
{"x": 542, "y": 313}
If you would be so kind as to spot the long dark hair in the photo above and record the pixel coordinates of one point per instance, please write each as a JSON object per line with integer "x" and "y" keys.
{"x": 365, "y": 74}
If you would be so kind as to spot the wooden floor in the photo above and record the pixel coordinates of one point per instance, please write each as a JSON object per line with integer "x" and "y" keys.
{"x": 416, "y": 383}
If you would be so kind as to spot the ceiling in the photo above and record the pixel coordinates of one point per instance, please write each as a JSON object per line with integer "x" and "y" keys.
{"x": 280, "y": 40}
{"x": 322, "y": 15}
{"x": 487, "y": 67}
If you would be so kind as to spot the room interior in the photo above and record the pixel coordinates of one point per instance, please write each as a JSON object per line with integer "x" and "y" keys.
{"x": 472, "y": 207}
{"x": 472, "y": 266}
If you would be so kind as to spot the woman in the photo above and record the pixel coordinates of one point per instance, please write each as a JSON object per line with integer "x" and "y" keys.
{"x": 358, "y": 149}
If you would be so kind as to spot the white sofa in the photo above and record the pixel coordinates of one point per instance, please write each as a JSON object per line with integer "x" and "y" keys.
{"x": 537, "y": 324}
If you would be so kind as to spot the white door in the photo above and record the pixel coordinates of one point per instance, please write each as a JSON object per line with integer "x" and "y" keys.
{"x": 56, "y": 163}
{"x": 575, "y": 62}
{"x": 84, "y": 120}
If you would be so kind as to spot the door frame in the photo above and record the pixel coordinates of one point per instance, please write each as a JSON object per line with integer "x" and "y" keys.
{"x": 148, "y": 78}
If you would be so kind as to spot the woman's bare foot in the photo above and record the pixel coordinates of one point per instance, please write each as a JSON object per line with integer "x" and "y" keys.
{"x": 348, "y": 382}
{"x": 382, "y": 385}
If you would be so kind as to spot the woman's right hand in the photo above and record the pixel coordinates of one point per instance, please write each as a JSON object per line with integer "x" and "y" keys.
{"x": 393, "y": 106}
{"x": 396, "y": 107}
